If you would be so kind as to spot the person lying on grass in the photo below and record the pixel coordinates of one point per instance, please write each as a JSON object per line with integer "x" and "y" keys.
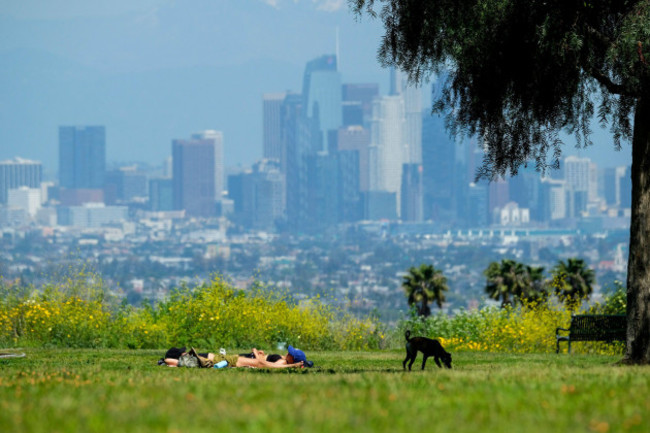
{"x": 256, "y": 359}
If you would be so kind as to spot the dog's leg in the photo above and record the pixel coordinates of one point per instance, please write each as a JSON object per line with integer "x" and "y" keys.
{"x": 424, "y": 361}
{"x": 412, "y": 360}
{"x": 437, "y": 360}
{"x": 408, "y": 356}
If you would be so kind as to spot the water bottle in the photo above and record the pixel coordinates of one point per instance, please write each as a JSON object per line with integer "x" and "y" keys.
{"x": 221, "y": 364}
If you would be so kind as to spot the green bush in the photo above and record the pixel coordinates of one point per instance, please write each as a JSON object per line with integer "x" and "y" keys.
{"x": 77, "y": 313}
{"x": 526, "y": 328}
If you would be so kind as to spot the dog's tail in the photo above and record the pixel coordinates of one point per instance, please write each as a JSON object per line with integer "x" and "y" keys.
{"x": 408, "y": 335}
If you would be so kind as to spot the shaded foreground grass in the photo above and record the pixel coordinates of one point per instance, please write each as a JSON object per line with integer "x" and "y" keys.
{"x": 124, "y": 391}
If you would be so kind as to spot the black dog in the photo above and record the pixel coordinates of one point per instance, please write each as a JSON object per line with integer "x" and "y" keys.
{"x": 428, "y": 347}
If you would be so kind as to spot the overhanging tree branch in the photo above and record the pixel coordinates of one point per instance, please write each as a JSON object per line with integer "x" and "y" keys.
{"x": 611, "y": 86}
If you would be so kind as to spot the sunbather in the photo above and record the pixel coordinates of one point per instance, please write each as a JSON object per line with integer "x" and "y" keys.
{"x": 256, "y": 359}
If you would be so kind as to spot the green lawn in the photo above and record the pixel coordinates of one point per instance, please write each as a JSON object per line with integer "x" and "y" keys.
{"x": 125, "y": 391}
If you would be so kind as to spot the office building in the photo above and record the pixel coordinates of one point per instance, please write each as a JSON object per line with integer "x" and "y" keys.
{"x": 217, "y": 139}
{"x": 161, "y": 194}
{"x": 82, "y": 157}
{"x": 511, "y": 215}
{"x": 581, "y": 177}
{"x": 553, "y": 200}
{"x": 258, "y": 195}
{"x": 440, "y": 186}
{"x": 19, "y": 172}
{"x": 357, "y": 103}
{"x": 272, "y": 125}
{"x": 388, "y": 148}
{"x": 625, "y": 188}
{"x": 379, "y": 205}
{"x": 197, "y": 173}
{"x": 323, "y": 187}
{"x": 412, "y": 97}
{"x": 616, "y": 186}
{"x": 478, "y": 212}
{"x": 25, "y": 198}
{"x": 321, "y": 94}
{"x": 357, "y": 138}
{"x": 91, "y": 215}
{"x": 349, "y": 177}
{"x": 124, "y": 184}
{"x": 498, "y": 194}
{"x": 524, "y": 189}
{"x": 411, "y": 193}
{"x": 296, "y": 136}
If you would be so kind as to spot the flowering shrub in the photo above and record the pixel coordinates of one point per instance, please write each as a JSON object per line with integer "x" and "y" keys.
{"x": 77, "y": 313}
{"x": 527, "y": 328}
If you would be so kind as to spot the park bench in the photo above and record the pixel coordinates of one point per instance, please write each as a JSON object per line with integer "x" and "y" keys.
{"x": 593, "y": 327}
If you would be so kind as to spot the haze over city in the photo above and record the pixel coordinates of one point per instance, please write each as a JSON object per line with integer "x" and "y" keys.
{"x": 157, "y": 70}
{"x": 164, "y": 141}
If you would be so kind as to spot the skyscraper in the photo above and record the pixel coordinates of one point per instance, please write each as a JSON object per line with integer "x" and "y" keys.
{"x": 412, "y": 96}
{"x": 217, "y": 139}
{"x": 440, "y": 188}
{"x": 19, "y": 172}
{"x": 358, "y": 97}
{"x": 161, "y": 194}
{"x": 197, "y": 173}
{"x": 258, "y": 195}
{"x": 295, "y": 149}
{"x": 321, "y": 95}
{"x": 272, "y": 113}
{"x": 82, "y": 157}
{"x": 412, "y": 193}
{"x": 124, "y": 184}
{"x": 524, "y": 189}
{"x": 581, "y": 177}
{"x": 357, "y": 138}
{"x": 388, "y": 148}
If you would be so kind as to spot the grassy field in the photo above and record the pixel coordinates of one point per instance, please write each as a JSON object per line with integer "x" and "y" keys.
{"x": 125, "y": 391}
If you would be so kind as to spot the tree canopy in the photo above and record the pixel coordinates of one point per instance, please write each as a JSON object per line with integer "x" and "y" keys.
{"x": 520, "y": 72}
{"x": 423, "y": 285}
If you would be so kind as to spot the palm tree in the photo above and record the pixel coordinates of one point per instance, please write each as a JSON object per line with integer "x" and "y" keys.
{"x": 536, "y": 284}
{"x": 505, "y": 280}
{"x": 424, "y": 285}
{"x": 573, "y": 281}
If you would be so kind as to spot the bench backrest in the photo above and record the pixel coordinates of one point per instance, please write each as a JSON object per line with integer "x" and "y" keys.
{"x": 600, "y": 327}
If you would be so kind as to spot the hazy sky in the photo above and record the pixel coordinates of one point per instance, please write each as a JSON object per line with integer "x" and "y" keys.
{"x": 155, "y": 70}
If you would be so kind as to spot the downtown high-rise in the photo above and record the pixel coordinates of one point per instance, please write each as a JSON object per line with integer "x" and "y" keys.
{"x": 82, "y": 157}
{"x": 17, "y": 173}
{"x": 321, "y": 100}
{"x": 197, "y": 180}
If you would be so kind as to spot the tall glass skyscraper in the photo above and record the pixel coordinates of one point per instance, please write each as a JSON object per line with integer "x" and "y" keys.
{"x": 321, "y": 93}
{"x": 82, "y": 157}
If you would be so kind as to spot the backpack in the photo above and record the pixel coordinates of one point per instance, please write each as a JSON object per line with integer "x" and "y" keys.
{"x": 203, "y": 362}
{"x": 187, "y": 360}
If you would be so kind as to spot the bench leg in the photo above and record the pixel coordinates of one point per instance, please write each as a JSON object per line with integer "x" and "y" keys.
{"x": 569, "y": 346}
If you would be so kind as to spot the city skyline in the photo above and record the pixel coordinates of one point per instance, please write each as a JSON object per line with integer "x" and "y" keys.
{"x": 154, "y": 71}
{"x": 342, "y": 153}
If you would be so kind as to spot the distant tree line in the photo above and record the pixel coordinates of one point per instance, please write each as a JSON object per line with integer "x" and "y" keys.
{"x": 507, "y": 281}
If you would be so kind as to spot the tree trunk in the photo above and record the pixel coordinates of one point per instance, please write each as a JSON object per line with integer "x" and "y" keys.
{"x": 638, "y": 268}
